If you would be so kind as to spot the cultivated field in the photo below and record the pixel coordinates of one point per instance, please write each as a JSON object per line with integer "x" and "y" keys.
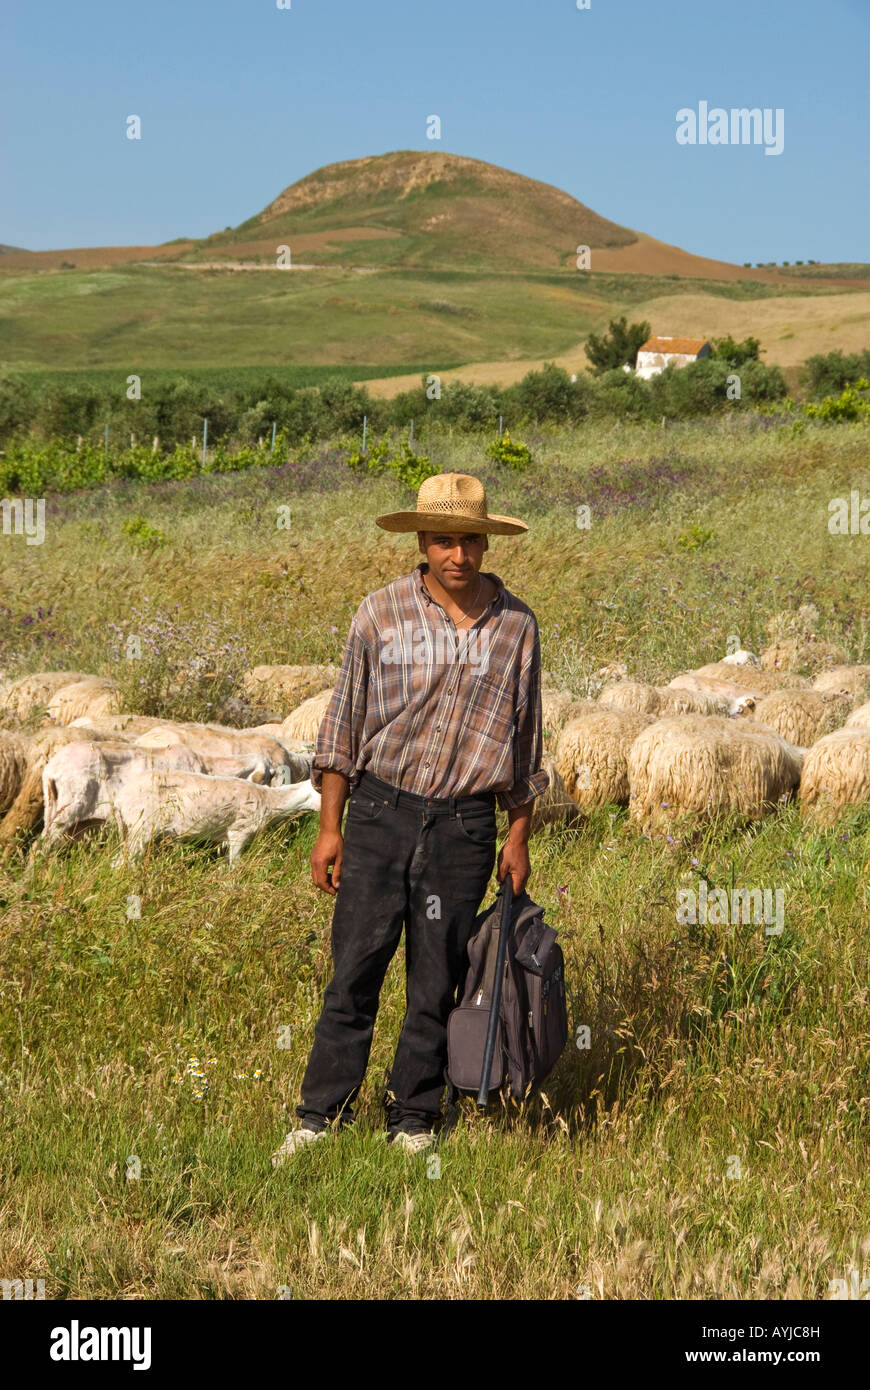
{"x": 710, "y": 1143}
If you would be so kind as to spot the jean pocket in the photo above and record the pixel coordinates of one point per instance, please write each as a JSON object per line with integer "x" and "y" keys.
{"x": 478, "y": 826}
{"x": 365, "y": 808}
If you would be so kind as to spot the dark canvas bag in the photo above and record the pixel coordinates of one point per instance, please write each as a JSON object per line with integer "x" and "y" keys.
{"x": 533, "y": 1015}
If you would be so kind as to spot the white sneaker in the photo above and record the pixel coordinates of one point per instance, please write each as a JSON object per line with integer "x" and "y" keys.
{"x": 415, "y": 1143}
{"x": 294, "y": 1141}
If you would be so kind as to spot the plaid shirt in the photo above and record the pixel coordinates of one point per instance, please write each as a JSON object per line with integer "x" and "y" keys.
{"x": 433, "y": 709}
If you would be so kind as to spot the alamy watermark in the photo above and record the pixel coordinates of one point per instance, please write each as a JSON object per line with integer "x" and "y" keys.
{"x": 719, "y": 908}
{"x": 739, "y": 126}
{"x": 24, "y": 516}
{"x": 423, "y": 646}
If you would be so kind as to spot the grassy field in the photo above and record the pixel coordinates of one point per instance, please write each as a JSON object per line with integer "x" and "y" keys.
{"x": 711, "y": 1143}
{"x": 147, "y": 317}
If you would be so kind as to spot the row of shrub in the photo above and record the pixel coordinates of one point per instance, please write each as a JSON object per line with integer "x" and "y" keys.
{"x": 174, "y": 410}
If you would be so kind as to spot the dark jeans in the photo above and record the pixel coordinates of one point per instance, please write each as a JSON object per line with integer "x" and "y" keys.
{"x": 409, "y": 861}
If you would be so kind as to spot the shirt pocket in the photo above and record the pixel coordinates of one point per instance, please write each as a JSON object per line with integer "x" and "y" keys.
{"x": 489, "y": 708}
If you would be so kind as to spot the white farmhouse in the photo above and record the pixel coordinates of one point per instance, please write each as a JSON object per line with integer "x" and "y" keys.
{"x": 657, "y": 353}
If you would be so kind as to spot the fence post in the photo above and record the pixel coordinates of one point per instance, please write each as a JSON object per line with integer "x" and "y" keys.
{"x": 204, "y": 438}
{"x": 500, "y": 419}
{"x": 364, "y": 433}
{"x": 106, "y": 438}
{"x": 411, "y": 435}
{"x": 274, "y": 428}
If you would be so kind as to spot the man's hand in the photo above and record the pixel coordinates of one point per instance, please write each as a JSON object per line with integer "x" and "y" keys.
{"x": 513, "y": 859}
{"x": 513, "y": 856}
{"x": 327, "y": 853}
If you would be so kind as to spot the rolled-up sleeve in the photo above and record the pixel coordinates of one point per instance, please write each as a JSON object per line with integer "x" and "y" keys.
{"x": 530, "y": 778}
{"x": 341, "y": 729}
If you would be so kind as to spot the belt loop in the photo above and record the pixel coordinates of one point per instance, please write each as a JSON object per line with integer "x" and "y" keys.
{"x": 453, "y": 805}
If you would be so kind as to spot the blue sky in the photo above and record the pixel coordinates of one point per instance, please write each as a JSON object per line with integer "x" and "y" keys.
{"x": 238, "y": 99}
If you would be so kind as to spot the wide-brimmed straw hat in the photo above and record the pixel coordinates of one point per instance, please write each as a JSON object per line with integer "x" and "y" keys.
{"x": 452, "y": 502}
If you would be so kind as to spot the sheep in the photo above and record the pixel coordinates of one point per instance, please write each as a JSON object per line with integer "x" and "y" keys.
{"x": 558, "y": 707}
{"x": 87, "y": 699}
{"x": 741, "y": 658}
{"x": 836, "y": 774}
{"x": 554, "y": 806}
{"x": 805, "y": 653}
{"x": 847, "y": 680}
{"x": 757, "y": 682}
{"x": 115, "y": 726}
{"x": 188, "y": 806}
{"x": 25, "y": 812}
{"x": 591, "y": 756}
{"x": 304, "y": 722}
{"x": 706, "y": 765}
{"x": 662, "y": 700}
{"x": 859, "y": 717}
{"x": 13, "y": 766}
{"x": 214, "y": 741}
{"x": 801, "y": 716}
{"x": 284, "y": 687}
{"x": 80, "y": 780}
{"x": 35, "y": 691}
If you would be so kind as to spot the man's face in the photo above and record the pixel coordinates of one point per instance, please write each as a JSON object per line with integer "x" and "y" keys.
{"x": 454, "y": 557}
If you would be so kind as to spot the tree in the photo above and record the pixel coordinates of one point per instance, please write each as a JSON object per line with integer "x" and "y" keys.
{"x": 735, "y": 354}
{"x": 618, "y": 347}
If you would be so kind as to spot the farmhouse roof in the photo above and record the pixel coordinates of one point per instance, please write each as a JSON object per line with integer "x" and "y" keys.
{"x": 681, "y": 345}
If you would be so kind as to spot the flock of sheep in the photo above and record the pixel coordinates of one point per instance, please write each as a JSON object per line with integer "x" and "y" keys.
{"x": 91, "y": 765}
{"x": 742, "y": 735}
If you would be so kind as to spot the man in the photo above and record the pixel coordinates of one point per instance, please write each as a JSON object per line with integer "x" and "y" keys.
{"x": 435, "y": 713}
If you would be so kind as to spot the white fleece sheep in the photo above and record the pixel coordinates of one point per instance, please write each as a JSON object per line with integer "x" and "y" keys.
{"x": 663, "y": 700}
{"x": 13, "y": 766}
{"x": 554, "y": 806}
{"x": 859, "y": 716}
{"x": 34, "y": 691}
{"x": 558, "y": 708}
{"x": 801, "y": 716}
{"x": 592, "y": 753}
{"x": 92, "y": 698}
{"x": 847, "y": 680}
{"x": 304, "y": 722}
{"x": 703, "y": 765}
{"x": 283, "y": 688}
{"x": 836, "y": 773}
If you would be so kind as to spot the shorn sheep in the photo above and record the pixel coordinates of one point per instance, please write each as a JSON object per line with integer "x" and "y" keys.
{"x": 34, "y": 691}
{"x": 25, "y": 813}
{"x": 213, "y": 741}
{"x": 592, "y": 753}
{"x": 801, "y": 716}
{"x": 81, "y": 781}
{"x": 702, "y": 765}
{"x": 187, "y": 806}
{"x": 836, "y": 774}
{"x": 845, "y": 680}
{"x": 750, "y": 678}
{"x": 88, "y": 699}
{"x": 282, "y": 688}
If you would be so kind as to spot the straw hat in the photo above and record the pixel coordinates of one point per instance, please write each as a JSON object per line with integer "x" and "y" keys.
{"x": 452, "y": 502}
